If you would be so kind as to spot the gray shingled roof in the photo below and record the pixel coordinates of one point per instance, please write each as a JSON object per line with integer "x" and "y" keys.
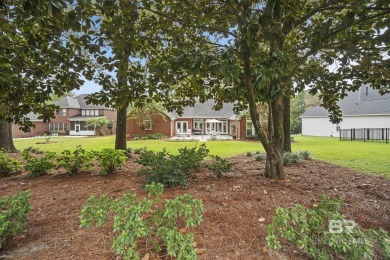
{"x": 362, "y": 102}
{"x": 33, "y": 117}
{"x": 205, "y": 110}
{"x": 77, "y": 102}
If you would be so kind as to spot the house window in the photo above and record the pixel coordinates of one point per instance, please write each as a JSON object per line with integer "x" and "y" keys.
{"x": 198, "y": 124}
{"x": 64, "y": 112}
{"x": 250, "y": 129}
{"x": 148, "y": 124}
{"x": 83, "y": 112}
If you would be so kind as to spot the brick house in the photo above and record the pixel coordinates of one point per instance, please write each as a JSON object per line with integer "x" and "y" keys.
{"x": 200, "y": 119}
{"x": 70, "y": 120}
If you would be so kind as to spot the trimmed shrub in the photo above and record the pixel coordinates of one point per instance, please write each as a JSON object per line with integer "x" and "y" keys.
{"x": 259, "y": 157}
{"x": 76, "y": 161}
{"x": 39, "y": 165}
{"x": 149, "y": 220}
{"x": 8, "y": 165}
{"x": 13, "y": 215}
{"x": 111, "y": 160}
{"x": 219, "y": 166}
{"x": 323, "y": 233}
{"x": 249, "y": 154}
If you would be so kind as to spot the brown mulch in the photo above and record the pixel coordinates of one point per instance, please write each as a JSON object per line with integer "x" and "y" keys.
{"x": 233, "y": 206}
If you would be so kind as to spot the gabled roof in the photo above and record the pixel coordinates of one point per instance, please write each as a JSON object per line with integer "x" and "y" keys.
{"x": 33, "y": 117}
{"x": 78, "y": 102}
{"x": 365, "y": 101}
{"x": 205, "y": 110}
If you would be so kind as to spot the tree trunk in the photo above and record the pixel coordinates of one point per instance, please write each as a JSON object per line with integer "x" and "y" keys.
{"x": 274, "y": 161}
{"x": 6, "y": 140}
{"x": 286, "y": 124}
{"x": 120, "y": 139}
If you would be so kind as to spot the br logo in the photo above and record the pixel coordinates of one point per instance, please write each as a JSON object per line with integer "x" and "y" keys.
{"x": 339, "y": 226}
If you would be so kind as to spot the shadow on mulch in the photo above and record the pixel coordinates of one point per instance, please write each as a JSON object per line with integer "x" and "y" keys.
{"x": 233, "y": 207}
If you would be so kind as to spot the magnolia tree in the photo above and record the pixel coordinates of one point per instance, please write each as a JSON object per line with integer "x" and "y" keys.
{"x": 251, "y": 52}
{"x": 36, "y": 60}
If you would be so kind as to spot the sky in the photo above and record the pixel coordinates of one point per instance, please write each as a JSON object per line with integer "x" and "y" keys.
{"x": 88, "y": 88}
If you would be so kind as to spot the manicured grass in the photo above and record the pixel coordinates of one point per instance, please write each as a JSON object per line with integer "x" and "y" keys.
{"x": 366, "y": 157}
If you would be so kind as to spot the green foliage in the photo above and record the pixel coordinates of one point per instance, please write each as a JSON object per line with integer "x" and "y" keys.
{"x": 149, "y": 219}
{"x": 8, "y": 165}
{"x": 140, "y": 150}
{"x": 249, "y": 154}
{"x": 258, "y": 152}
{"x": 219, "y": 166}
{"x": 259, "y": 157}
{"x": 172, "y": 170}
{"x": 76, "y": 161}
{"x": 290, "y": 158}
{"x": 305, "y": 155}
{"x": 35, "y": 150}
{"x": 308, "y": 229}
{"x": 111, "y": 160}
{"x": 13, "y": 215}
{"x": 39, "y": 165}
{"x": 99, "y": 123}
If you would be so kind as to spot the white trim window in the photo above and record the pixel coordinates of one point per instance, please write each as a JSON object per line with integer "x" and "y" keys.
{"x": 63, "y": 112}
{"x": 147, "y": 124}
{"x": 250, "y": 129}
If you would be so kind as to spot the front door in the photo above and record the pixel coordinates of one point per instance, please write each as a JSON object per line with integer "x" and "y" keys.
{"x": 181, "y": 127}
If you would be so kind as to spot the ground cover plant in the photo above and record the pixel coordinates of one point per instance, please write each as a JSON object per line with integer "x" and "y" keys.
{"x": 110, "y": 160}
{"x": 366, "y": 157}
{"x": 13, "y": 215}
{"x": 219, "y": 166}
{"x": 323, "y": 233}
{"x": 149, "y": 219}
{"x": 38, "y": 165}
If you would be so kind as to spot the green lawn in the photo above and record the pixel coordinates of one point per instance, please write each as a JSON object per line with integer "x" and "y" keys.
{"x": 367, "y": 157}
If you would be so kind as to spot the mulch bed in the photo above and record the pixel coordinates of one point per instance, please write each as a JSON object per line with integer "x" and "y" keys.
{"x": 233, "y": 206}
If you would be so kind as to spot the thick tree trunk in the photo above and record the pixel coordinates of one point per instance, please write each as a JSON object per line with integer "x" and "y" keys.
{"x": 6, "y": 140}
{"x": 274, "y": 161}
{"x": 286, "y": 124}
{"x": 120, "y": 139}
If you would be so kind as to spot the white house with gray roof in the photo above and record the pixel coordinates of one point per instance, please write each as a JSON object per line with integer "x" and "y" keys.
{"x": 365, "y": 108}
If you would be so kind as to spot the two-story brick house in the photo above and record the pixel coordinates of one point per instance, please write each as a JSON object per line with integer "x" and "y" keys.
{"x": 71, "y": 118}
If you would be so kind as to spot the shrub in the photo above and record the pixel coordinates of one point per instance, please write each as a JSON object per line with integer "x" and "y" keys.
{"x": 76, "y": 161}
{"x": 259, "y": 157}
{"x": 258, "y": 152}
{"x": 8, "y": 165}
{"x": 219, "y": 166}
{"x": 149, "y": 220}
{"x": 38, "y": 166}
{"x": 290, "y": 158}
{"x": 189, "y": 158}
{"x": 249, "y": 154}
{"x": 35, "y": 150}
{"x": 309, "y": 229}
{"x": 111, "y": 160}
{"x": 139, "y": 150}
{"x": 172, "y": 170}
{"x": 13, "y": 215}
{"x": 305, "y": 155}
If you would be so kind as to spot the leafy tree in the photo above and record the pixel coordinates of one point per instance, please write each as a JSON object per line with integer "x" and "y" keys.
{"x": 253, "y": 51}
{"x": 120, "y": 47}
{"x": 297, "y": 109}
{"x": 149, "y": 111}
{"x": 98, "y": 123}
{"x": 36, "y": 60}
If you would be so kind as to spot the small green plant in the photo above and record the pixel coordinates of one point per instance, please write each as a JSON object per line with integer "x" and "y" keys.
{"x": 8, "y": 165}
{"x": 39, "y": 165}
{"x": 150, "y": 219}
{"x": 76, "y": 161}
{"x": 190, "y": 158}
{"x": 13, "y": 215}
{"x": 139, "y": 150}
{"x": 304, "y": 155}
{"x": 259, "y": 157}
{"x": 111, "y": 160}
{"x": 320, "y": 232}
{"x": 290, "y": 158}
{"x": 258, "y": 152}
{"x": 47, "y": 137}
{"x": 249, "y": 154}
{"x": 35, "y": 150}
{"x": 219, "y": 166}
